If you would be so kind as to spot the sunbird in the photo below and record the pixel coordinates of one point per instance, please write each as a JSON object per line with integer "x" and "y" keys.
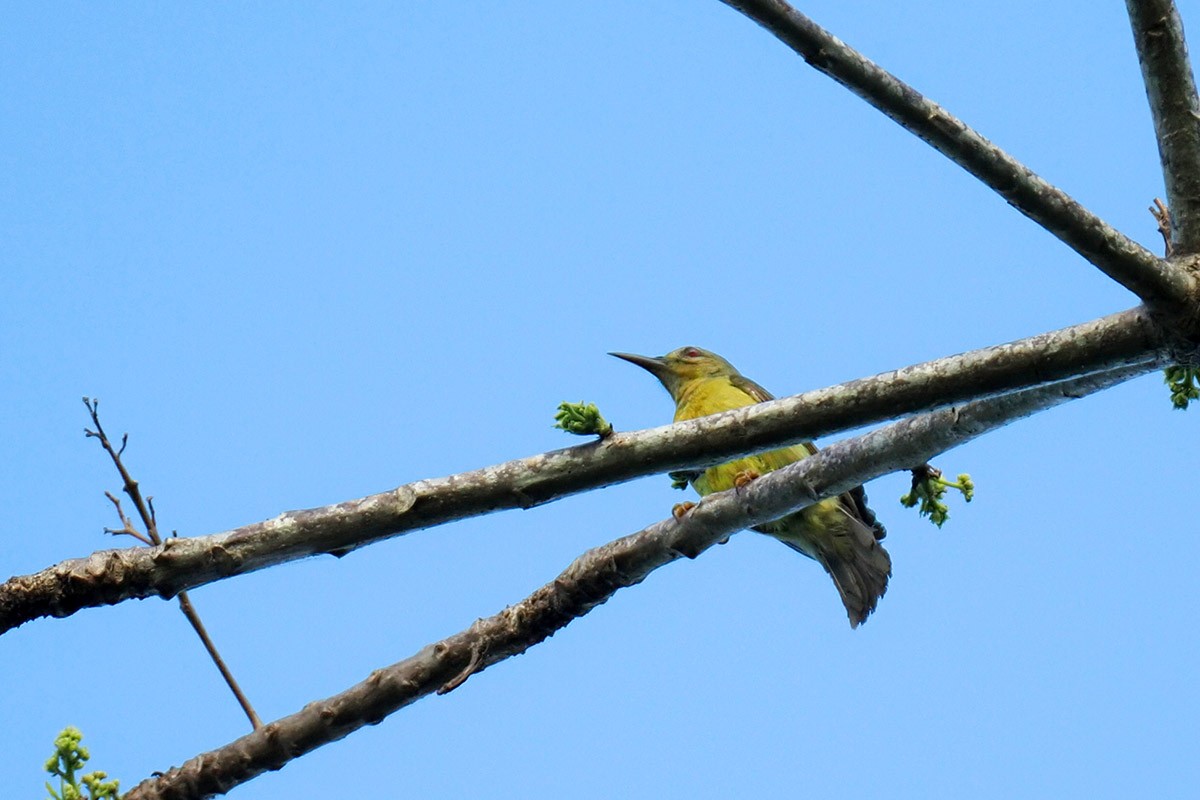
{"x": 841, "y": 533}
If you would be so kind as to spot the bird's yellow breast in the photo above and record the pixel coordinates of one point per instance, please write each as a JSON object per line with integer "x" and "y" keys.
{"x": 699, "y": 398}
{"x": 702, "y": 397}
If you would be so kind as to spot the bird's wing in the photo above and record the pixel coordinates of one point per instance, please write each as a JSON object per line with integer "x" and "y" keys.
{"x": 761, "y": 395}
{"x": 751, "y": 388}
{"x": 855, "y": 500}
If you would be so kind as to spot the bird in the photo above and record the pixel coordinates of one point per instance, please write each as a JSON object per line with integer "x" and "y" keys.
{"x": 841, "y": 533}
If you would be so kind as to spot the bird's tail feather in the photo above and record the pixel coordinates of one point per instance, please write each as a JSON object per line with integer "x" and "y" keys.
{"x": 858, "y": 564}
{"x": 861, "y": 580}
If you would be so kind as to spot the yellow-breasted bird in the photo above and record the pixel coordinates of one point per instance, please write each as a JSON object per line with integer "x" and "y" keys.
{"x": 840, "y": 532}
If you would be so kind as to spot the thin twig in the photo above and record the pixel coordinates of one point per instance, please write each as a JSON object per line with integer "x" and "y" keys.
{"x": 1171, "y": 90}
{"x": 1122, "y": 259}
{"x": 145, "y": 509}
{"x": 189, "y": 611}
{"x": 126, "y": 528}
{"x": 1162, "y": 216}
{"x": 594, "y": 577}
{"x": 131, "y": 486}
{"x": 112, "y": 576}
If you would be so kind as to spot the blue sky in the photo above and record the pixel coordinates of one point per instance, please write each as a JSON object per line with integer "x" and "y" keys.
{"x": 307, "y": 252}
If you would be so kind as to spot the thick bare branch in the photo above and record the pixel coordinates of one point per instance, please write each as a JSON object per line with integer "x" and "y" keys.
{"x": 1171, "y": 89}
{"x": 1122, "y": 259}
{"x": 595, "y": 576}
{"x": 111, "y": 576}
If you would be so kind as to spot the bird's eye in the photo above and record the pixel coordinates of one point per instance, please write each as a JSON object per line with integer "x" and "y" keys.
{"x": 692, "y": 352}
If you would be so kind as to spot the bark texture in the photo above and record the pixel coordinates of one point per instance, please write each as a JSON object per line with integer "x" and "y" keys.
{"x": 1122, "y": 259}
{"x": 112, "y": 576}
{"x": 595, "y": 576}
{"x": 1171, "y": 90}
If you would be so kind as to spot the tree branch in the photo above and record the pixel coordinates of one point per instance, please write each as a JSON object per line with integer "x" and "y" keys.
{"x": 595, "y": 576}
{"x": 111, "y": 576}
{"x": 1122, "y": 259}
{"x": 1171, "y": 89}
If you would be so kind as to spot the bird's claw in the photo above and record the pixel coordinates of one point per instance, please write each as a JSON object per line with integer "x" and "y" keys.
{"x": 743, "y": 478}
{"x": 682, "y": 508}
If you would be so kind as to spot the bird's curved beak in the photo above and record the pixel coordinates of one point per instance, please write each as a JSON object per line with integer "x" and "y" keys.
{"x": 655, "y": 366}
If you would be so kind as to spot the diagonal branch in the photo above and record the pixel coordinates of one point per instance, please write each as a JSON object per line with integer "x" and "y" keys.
{"x": 1122, "y": 259}
{"x": 111, "y": 576}
{"x": 595, "y": 576}
{"x": 1171, "y": 89}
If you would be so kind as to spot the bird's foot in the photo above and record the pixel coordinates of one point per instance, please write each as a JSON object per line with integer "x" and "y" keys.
{"x": 682, "y": 508}
{"x": 743, "y": 478}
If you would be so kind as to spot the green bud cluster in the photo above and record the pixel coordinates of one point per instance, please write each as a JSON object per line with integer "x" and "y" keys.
{"x": 1183, "y": 383}
{"x": 680, "y": 480}
{"x": 928, "y": 488}
{"x": 68, "y": 759}
{"x": 582, "y": 419}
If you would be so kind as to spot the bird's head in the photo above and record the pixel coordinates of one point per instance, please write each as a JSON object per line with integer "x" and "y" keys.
{"x": 681, "y": 367}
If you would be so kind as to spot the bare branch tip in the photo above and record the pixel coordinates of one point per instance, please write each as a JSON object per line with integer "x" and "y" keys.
{"x": 1162, "y": 215}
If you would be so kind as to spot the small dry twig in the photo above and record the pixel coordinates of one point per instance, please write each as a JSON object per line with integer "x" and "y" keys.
{"x": 145, "y": 510}
{"x": 126, "y": 528}
{"x": 1163, "y": 217}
